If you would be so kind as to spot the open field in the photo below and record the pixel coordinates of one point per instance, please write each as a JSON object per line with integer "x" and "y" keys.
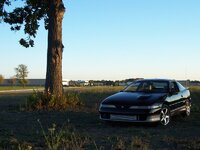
{"x": 6, "y": 88}
{"x": 81, "y": 128}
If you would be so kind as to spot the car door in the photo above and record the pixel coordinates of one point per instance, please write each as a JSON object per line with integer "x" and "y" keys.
{"x": 185, "y": 94}
{"x": 175, "y": 97}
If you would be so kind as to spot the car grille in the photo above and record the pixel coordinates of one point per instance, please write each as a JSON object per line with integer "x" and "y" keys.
{"x": 123, "y": 117}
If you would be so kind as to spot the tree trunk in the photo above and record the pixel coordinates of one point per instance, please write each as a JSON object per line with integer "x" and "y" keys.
{"x": 53, "y": 83}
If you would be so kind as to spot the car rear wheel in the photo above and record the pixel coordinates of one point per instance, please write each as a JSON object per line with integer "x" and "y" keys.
{"x": 165, "y": 115}
{"x": 186, "y": 113}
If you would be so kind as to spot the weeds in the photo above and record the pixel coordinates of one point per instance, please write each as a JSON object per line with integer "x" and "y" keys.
{"x": 24, "y": 147}
{"x": 65, "y": 138}
{"x": 52, "y": 137}
{"x": 13, "y": 144}
{"x": 120, "y": 145}
{"x": 136, "y": 143}
{"x": 183, "y": 143}
{"x": 41, "y": 101}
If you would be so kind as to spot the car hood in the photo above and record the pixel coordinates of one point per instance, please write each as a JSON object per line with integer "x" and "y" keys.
{"x": 134, "y": 98}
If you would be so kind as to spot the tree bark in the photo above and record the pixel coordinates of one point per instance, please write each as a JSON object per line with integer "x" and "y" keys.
{"x": 53, "y": 83}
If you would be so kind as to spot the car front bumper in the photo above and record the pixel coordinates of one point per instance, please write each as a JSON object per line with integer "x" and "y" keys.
{"x": 131, "y": 116}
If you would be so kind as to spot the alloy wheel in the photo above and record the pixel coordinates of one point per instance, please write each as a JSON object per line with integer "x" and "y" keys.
{"x": 187, "y": 105}
{"x": 165, "y": 116}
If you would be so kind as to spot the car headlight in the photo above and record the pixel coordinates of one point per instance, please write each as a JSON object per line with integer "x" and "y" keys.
{"x": 107, "y": 106}
{"x": 154, "y": 106}
{"x": 146, "y": 107}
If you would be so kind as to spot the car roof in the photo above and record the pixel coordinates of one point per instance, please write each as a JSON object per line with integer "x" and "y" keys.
{"x": 155, "y": 79}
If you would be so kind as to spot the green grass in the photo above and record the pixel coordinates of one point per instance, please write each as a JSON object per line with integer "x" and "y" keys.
{"x": 195, "y": 95}
{"x": 81, "y": 128}
{"x": 95, "y": 89}
{"x": 6, "y": 88}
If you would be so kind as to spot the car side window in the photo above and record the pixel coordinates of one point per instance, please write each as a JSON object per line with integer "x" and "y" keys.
{"x": 133, "y": 87}
{"x": 174, "y": 87}
{"x": 181, "y": 87}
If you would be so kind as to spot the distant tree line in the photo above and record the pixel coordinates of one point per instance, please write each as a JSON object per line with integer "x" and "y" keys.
{"x": 117, "y": 82}
{"x": 195, "y": 83}
{"x": 102, "y": 82}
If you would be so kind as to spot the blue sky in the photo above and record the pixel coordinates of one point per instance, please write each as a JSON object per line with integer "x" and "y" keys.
{"x": 116, "y": 39}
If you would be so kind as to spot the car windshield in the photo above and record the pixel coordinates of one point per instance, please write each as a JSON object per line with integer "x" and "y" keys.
{"x": 148, "y": 86}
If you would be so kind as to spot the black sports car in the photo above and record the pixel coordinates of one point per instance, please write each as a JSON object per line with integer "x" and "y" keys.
{"x": 148, "y": 100}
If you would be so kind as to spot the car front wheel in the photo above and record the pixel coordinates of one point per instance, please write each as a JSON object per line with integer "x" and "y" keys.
{"x": 165, "y": 115}
{"x": 187, "y": 109}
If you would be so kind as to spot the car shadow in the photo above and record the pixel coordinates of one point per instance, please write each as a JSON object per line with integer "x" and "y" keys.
{"x": 131, "y": 124}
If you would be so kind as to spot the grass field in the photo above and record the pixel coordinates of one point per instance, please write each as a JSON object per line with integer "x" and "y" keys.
{"x": 6, "y": 88}
{"x": 81, "y": 128}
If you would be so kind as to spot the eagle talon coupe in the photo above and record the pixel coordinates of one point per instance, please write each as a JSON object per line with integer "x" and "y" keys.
{"x": 148, "y": 100}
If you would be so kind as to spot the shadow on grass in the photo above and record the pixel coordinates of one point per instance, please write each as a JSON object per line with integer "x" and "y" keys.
{"x": 18, "y": 125}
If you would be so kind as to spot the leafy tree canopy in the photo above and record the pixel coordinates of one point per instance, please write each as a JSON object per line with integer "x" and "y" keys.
{"x": 22, "y": 73}
{"x": 26, "y": 16}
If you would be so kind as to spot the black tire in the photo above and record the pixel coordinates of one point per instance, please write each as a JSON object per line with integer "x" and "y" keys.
{"x": 187, "y": 111}
{"x": 165, "y": 115}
